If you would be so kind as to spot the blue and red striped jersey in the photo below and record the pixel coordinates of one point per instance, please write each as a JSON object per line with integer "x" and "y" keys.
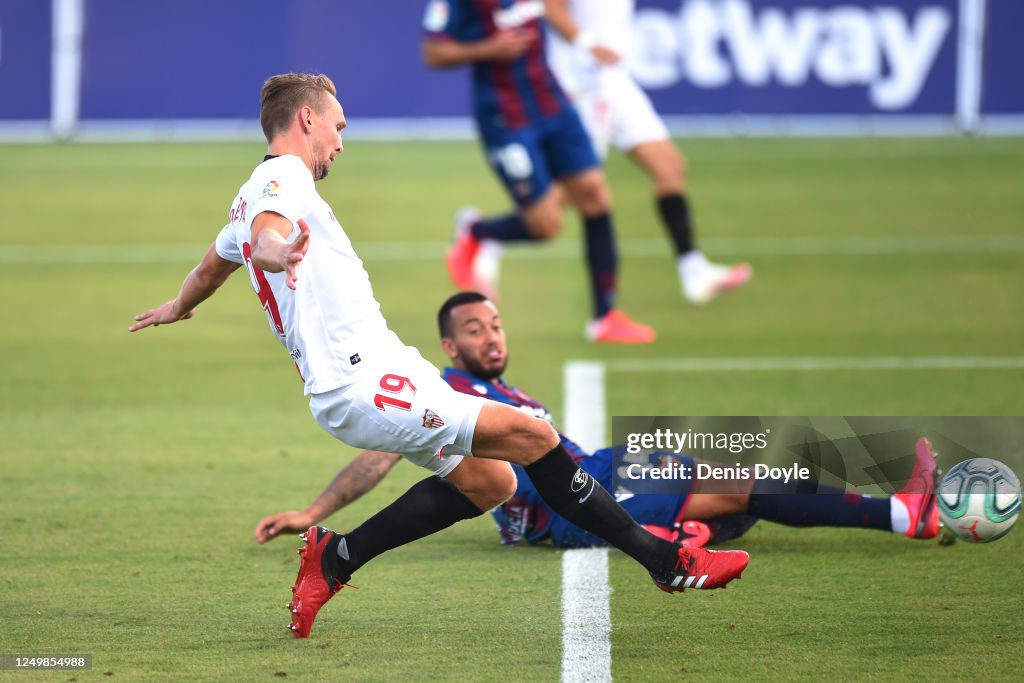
{"x": 517, "y": 92}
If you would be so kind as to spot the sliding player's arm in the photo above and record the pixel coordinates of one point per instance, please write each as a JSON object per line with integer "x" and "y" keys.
{"x": 200, "y": 284}
{"x": 359, "y": 476}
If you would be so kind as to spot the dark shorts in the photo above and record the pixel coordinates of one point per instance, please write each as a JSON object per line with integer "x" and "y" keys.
{"x": 527, "y": 160}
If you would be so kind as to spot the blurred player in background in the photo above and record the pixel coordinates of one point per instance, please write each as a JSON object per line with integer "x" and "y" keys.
{"x": 588, "y": 51}
{"x": 370, "y": 390}
{"x": 474, "y": 340}
{"x": 532, "y": 137}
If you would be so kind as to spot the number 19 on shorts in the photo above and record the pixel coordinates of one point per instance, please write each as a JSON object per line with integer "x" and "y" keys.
{"x": 393, "y": 384}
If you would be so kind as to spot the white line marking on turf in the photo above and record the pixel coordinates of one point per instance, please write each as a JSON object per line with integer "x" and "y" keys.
{"x": 565, "y": 249}
{"x": 812, "y": 363}
{"x": 586, "y": 622}
{"x": 586, "y": 611}
{"x": 585, "y": 403}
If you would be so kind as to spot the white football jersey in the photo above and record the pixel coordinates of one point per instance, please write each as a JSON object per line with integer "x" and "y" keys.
{"x": 609, "y": 23}
{"x": 331, "y": 323}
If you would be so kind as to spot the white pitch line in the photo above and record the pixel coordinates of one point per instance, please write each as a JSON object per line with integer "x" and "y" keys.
{"x": 42, "y": 254}
{"x": 585, "y": 403}
{"x": 815, "y": 363}
{"x": 586, "y": 621}
{"x": 586, "y": 610}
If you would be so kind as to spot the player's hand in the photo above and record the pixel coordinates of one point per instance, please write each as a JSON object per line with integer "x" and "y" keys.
{"x": 161, "y": 315}
{"x": 512, "y": 44}
{"x": 283, "y": 523}
{"x": 605, "y": 55}
{"x": 295, "y": 253}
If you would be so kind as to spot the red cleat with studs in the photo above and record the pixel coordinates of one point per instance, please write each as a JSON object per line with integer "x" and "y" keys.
{"x": 703, "y": 569}
{"x": 316, "y": 582}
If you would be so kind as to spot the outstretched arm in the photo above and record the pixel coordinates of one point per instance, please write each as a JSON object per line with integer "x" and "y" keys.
{"x": 560, "y": 18}
{"x": 355, "y": 479}
{"x": 199, "y": 286}
{"x": 503, "y": 46}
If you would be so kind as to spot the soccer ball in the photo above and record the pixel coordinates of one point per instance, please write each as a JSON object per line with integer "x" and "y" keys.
{"x": 979, "y": 500}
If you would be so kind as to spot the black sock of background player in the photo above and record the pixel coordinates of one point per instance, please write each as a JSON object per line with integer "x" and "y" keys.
{"x": 578, "y": 497}
{"x": 602, "y": 262}
{"x": 507, "y": 228}
{"x": 792, "y": 504}
{"x": 429, "y": 506}
{"x": 675, "y": 215}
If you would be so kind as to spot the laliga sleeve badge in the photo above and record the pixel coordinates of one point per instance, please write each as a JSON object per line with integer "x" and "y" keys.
{"x": 271, "y": 189}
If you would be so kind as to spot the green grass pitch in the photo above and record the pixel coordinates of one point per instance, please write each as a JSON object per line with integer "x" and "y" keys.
{"x": 133, "y": 468}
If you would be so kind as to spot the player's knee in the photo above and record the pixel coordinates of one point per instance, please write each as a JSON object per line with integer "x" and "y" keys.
{"x": 505, "y": 433}
{"x": 670, "y": 177}
{"x": 540, "y": 438}
{"x": 545, "y": 225}
{"x": 487, "y": 483}
{"x": 493, "y": 490}
{"x": 529, "y": 439}
{"x": 594, "y": 200}
{"x": 501, "y": 488}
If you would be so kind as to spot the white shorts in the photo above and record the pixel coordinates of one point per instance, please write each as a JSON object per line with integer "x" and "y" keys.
{"x": 618, "y": 112}
{"x": 402, "y": 406}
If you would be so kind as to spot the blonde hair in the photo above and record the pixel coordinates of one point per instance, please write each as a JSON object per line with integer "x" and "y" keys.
{"x": 284, "y": 94}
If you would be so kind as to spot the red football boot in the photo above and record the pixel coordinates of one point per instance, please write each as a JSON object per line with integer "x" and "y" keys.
{"x": 918, "y": 495}
{"x": 704, "y": 569}
{"x": 617, "y": 328}
{"x": 461, "y": 256}
{"x": 316, "y": 582}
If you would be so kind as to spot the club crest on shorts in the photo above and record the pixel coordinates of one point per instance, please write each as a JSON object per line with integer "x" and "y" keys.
{"x": 432, "y": 420}
{"x": 579, "y": 480}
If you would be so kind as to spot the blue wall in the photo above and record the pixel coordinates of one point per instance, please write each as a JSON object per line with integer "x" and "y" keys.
{"x": 203, "y": 59}
{"x": 25, "y": 48}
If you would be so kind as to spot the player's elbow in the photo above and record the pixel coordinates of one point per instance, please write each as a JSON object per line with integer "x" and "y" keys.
{"x": 266, "y": 252}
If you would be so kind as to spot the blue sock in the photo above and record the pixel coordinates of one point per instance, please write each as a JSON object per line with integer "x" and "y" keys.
{"x": 507, "y": 228}
{"x": 602, "y": 262}
{"x": 829, "y": 506}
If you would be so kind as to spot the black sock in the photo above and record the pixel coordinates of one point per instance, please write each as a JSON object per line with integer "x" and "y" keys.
{"x": 784, "y": 503}
{"x": 602, "y": 262}
{"x": 675, "y": 215}
{"x": 429, "y": 506}
{"x": 578, "y": 497}
{"x": 507, "y": 228}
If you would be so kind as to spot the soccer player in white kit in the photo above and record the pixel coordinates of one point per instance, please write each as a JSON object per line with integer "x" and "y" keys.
{"x": 588, "y": 51}
{"x": 370, "y": 390}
